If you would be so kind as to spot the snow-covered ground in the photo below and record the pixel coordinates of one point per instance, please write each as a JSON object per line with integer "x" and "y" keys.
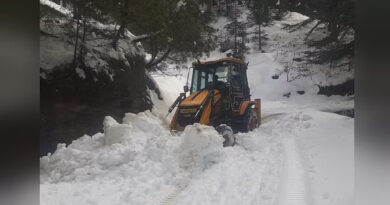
{"x": 295, "y": 157}
{"x": 301, "y": 154}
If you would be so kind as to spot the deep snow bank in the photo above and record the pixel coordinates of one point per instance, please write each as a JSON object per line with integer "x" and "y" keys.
{"x": 130, "y": 159}
{"x": 140, "y": 162}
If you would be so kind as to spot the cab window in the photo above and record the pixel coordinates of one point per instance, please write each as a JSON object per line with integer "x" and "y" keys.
{"x": 236, "y": 79}
{"x": 202, "y": 76}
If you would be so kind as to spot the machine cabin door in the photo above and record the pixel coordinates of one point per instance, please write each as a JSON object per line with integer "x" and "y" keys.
{"x": 239, "y": 86}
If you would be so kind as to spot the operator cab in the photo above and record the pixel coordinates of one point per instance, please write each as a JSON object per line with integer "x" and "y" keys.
{"x": 228, "y": 75}
{"x": 210, "y": 76}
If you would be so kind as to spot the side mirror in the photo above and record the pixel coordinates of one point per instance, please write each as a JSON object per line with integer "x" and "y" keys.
{"x": 186, "y": 89}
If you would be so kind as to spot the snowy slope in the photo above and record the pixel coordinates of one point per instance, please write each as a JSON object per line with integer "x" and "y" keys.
{"x": 289, "y": 48}
{"x": 57, "y": 46}
{"x": 301, "y": 154}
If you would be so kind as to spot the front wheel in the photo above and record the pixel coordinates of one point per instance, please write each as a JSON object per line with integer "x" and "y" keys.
{"x": 248, "y": 121}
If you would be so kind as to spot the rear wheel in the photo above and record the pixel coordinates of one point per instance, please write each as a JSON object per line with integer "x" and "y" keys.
{"x": 227, "y": 134}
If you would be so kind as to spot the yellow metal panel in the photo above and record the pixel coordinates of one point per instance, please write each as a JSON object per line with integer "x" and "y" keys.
{"x": 257, "y": 104}
{"x": 244, "y": 105}
{"x": 205, "y": 118}
{"x": 197, "y": 101}
{"x": 188, "y": 110}
{"x": 191, "y": 101}
{"x": 258, "y": 110}
{"x": 172, "y": 126}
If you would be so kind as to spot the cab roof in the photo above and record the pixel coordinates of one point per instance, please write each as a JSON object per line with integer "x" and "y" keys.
{"x": 235, "y": 60}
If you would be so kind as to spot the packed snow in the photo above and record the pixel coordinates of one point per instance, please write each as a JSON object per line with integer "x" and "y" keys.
{"x": 301, "y": 154}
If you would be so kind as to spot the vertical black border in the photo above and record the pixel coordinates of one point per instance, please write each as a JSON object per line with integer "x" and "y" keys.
{"x": 372, "y": 103}
{"x": 19, "y": 102}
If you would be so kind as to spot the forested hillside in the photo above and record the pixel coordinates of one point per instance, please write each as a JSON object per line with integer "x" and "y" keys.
{"x": 93, "y": 58}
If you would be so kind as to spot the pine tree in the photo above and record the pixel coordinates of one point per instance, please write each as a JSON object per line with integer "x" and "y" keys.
{"x": 260, "y": 12}
{"x": 163, "y": 26}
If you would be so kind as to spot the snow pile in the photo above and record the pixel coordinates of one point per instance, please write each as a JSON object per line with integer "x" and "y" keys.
{"x": 119, "y": 144}
{"x": 136, "y": 157}
{"x": 201, "y": 146}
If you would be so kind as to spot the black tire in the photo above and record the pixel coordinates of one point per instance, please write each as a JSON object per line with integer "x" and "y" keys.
{"x": 248, "y": 121}
{"x": 227, "y": 134}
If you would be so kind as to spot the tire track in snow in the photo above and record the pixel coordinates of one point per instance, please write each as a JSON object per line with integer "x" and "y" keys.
{"x": 295, "y": 187}
{"x": 170, "y": 198}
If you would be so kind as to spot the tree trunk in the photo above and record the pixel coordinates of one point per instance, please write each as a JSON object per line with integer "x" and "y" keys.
{"x": 117, "y": 35}
{"x": 334, "y": 31}
{"x": 82, "y": 49}
{"x": 312, "y": 29}
{"x": 154, "y": 53}
{"x": 260, "y": 36}
{"x": 151, "y": 64}
{"x": 248, "y": 3}
{"x": 266, "y": 11}
{"x": 76, "y": 43}
{"x": 227, "y": 8}
{"x": 123, "y": 21}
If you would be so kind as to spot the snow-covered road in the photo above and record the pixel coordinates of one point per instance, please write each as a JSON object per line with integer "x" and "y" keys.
{"x": 298, "y": 157}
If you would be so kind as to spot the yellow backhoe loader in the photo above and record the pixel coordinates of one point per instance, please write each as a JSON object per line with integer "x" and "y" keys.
{"x": 219, "y": 96}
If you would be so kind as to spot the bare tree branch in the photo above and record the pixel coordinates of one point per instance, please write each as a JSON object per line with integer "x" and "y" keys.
{"x": 145, "y": 36}
{"x": 154, "y": 63}
{"x": 312, "y": 29}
